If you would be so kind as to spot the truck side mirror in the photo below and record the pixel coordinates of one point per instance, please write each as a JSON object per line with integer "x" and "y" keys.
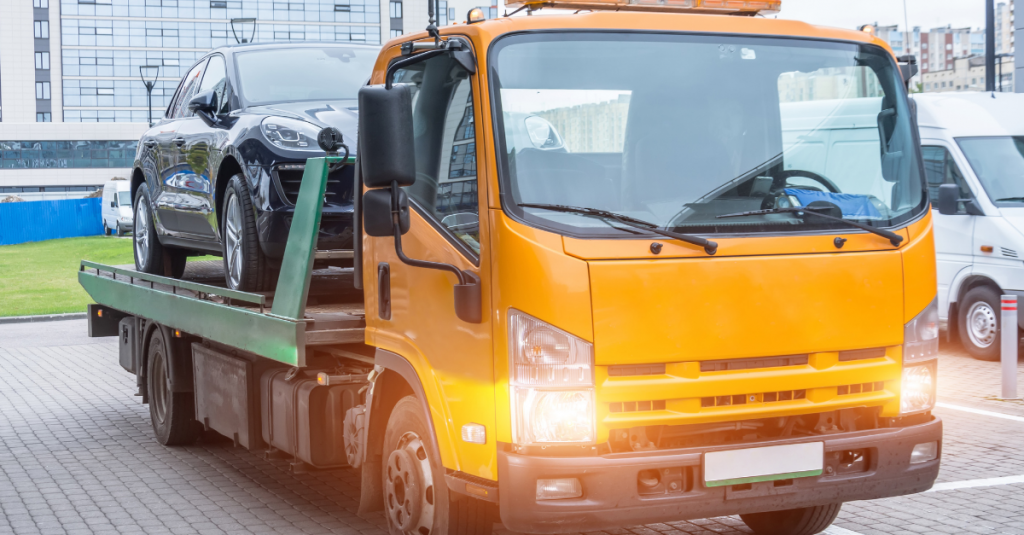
{"x": 377, "y": 220}
{"x": 386, "y": 147}
{"x": 949, "y": 195}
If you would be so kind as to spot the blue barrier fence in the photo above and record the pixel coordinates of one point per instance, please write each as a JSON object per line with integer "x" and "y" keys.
{"x": 22, "y": 222}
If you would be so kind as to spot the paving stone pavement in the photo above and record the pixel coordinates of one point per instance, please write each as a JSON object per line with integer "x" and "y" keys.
{"x": 77, "y": 456}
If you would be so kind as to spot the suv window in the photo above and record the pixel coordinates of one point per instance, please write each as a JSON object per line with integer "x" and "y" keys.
{"x": 940, "y": 169}
{"x": 186, "y": 90}
{"x": 445, "y": 141}
{"x": 216, "y": 80}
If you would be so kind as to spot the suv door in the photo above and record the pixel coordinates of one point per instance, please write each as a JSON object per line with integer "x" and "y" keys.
{"x": 196, "y": 215}
{"x": 447, "y": 201}
{"x": 954, "y": 234}
{"x": 170, "y": 200}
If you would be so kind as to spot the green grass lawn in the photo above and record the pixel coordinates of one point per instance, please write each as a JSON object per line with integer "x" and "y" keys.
{"x": 42, "y": 277}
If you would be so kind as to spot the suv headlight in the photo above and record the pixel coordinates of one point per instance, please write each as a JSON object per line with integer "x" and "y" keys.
{"x": 920, "y": 353}
{"x": 290, "y": 134}
{"x": 552, "y": 383}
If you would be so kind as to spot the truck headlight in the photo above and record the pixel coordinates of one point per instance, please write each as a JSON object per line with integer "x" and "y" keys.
{"x": 290, "y": 134}
{"x": 920, "y": 364}
{"x": 552, "y": 383}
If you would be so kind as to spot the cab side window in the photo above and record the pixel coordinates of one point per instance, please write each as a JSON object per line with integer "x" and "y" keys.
{"x": 216, "y": 80}
{"x": 188, "y": 89}
{"x": 940, "y": 169}
{"x": 445, "y": 144}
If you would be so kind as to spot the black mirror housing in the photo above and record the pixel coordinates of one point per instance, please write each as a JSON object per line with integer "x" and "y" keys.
{"x": 377, "y": 220}
{"x": 386, "y": 144}
{"x": 949, "y": 195}
{"x": 205, "y": 102}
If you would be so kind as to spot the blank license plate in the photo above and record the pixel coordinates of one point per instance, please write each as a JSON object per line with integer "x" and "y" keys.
{"x": 771, "y": 463}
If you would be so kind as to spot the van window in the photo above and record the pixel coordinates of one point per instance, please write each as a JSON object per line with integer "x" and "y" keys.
{"x": 124, "y": 198}
{"x": 999, "y": 164}
{"x": 940, "y": 169}
{"x": 445, "y": 140}
{"x": 687, "y": 128}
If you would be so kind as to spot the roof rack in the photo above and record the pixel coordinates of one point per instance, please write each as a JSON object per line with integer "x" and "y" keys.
{"x": 736, "y": 7}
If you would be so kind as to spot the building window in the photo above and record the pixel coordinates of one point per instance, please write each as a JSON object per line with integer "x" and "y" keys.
{"x": 43, "y": 60}
{"x": 222, "y": 4}
{"x": 43, "y": 90}
{"x": 396, "y": 10}
{"x": 44, "y": 4}
{"x": 43, "y": 117}
{"x": 342, "y": 8}
{"x": 42, "y": 29}
{"x": 396, "y": 33}
{"x": 451, "y": 14}
{"x": 67, "y": 154}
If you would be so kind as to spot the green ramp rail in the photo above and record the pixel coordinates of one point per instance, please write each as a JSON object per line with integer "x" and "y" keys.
{"x": 280, "y": 334}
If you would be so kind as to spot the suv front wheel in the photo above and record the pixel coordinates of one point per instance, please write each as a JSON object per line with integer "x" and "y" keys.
{"x": 245, "y": 266}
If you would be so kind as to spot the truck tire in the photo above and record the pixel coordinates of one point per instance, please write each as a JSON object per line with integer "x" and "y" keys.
{"x": 245, "y": 266}
{"x": 805, "y": 521}
{"x": 172, "y": 413}
{"x": 416, "y": 497}
{"x": 150, "y": 255}
{"x": 979, "y": 323}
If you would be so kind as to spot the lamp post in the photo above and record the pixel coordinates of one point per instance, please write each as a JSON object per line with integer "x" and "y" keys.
{"x": 150, "y": 84}
{"x": 240, "y": 22}
{"x": 990, "y": 45}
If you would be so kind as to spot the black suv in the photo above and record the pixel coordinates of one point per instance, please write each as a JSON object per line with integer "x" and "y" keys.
{"x": 220, "y": 172}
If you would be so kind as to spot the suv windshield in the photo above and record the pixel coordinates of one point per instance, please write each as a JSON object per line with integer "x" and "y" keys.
{"x": 677, "y": 130}
{"x": 999, "y": 164}
{"x": 303, "y": 73}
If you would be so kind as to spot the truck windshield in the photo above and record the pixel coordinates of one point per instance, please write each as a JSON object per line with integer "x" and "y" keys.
{"x": 999, "y": 164}
{"x": 679, "y": 129}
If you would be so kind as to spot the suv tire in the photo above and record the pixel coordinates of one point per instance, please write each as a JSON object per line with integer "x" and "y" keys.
{"x": 245, "y": 266}
{"x": 805, "y": 521}
{"x": 150, "y": 255}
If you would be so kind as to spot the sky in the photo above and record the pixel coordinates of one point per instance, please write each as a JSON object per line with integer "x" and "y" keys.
{"x": 853, "y": 13}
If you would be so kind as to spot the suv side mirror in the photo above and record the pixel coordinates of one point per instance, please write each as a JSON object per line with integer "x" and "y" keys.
{"x": 205, "y": 102}
{"x": 386, "y": 146}
{"x": 949, "y": 196}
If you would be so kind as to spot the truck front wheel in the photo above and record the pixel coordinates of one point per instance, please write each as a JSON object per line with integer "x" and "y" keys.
{"x": 805, "y": 521}
{"x": 416, "y": 497}
{"x": 172, "y": 413}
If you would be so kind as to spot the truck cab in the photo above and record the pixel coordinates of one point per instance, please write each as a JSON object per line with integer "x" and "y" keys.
{"x": 705, "y": 265}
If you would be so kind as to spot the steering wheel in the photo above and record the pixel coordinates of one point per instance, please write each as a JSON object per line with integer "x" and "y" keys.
{"x": 779, "y": 183}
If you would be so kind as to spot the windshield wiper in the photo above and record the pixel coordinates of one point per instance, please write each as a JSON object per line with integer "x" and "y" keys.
{"x": 709, "y": 246}
{"x": 894, "y": 238}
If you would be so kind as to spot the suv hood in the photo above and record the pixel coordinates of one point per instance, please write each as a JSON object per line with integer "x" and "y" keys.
{"x": 341, "y": 114}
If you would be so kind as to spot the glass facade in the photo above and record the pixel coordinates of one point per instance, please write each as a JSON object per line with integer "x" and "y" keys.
{"x": 66, "y": 154}
{"x": 104, "y": 42}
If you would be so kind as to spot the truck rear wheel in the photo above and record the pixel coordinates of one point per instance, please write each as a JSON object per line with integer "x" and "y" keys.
{"x": 172, "y": 413}
{"x": 805, "y": 521}
{"x": 416, "y": 497}
{"x": 979, "y": 323}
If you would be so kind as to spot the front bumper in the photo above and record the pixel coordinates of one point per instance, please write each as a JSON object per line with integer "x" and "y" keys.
{"x": 273, "y": 226}
{"x": 611, "y": 497}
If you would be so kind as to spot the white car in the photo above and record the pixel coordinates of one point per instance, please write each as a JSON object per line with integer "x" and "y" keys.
{"x": 973, "y": 149}
{"x": 117, "y": 207}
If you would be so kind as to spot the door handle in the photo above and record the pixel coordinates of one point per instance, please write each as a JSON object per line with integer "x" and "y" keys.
{"x": 179, "y": 141}
{"x": 150, "y": 143}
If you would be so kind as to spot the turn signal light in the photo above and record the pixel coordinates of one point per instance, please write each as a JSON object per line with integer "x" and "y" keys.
{"x": 700, "y": 6}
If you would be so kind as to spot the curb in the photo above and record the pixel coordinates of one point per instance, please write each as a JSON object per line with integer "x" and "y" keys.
{"x": 44, "y": 317}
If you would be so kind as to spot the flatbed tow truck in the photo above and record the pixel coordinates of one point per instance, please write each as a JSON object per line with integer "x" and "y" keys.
{"x": 614, "y": 267}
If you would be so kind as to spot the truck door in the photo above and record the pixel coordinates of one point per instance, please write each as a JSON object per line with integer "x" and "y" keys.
{"x": 413, "y": 314}
{"x": 953, "y": 233}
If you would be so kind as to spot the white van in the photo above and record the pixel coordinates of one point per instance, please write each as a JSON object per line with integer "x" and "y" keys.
{"x": 117, "y": 207}
{"x": 973, "y": 148}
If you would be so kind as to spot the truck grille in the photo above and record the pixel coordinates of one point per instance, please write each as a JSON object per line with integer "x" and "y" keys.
{"x": 637, "y": 406}
{"x": 743, "y": 399}
{"x": 863, "y": 387}
{"x": 289, "y": 177}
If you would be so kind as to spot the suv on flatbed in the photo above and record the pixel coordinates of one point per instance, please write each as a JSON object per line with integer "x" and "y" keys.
{"x": 220, "y": 172}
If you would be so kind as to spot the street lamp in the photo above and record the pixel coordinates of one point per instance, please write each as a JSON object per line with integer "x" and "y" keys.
{"x": 150, "y": 84}
{"x": 240, "y": 23}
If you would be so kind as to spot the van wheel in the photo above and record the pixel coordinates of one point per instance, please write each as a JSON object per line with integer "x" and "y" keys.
{"x": 172, "y": 413}
{"x": 805, "y": 521}
{"x": 416, "y": 497}
{"x": 979, "y": 323}
{"x": 245, "y": 266}
{"x": 106, "y": 229}
{"x": 120, "y": 231}
{"x": 150, "y": 256}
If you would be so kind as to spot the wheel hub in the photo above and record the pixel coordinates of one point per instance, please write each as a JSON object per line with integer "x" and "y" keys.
{"x": 141, "y": 236}
{"x": 233, "y": 242}
{"x": 981, "y": 324}
{"x": 409, "y": 488}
